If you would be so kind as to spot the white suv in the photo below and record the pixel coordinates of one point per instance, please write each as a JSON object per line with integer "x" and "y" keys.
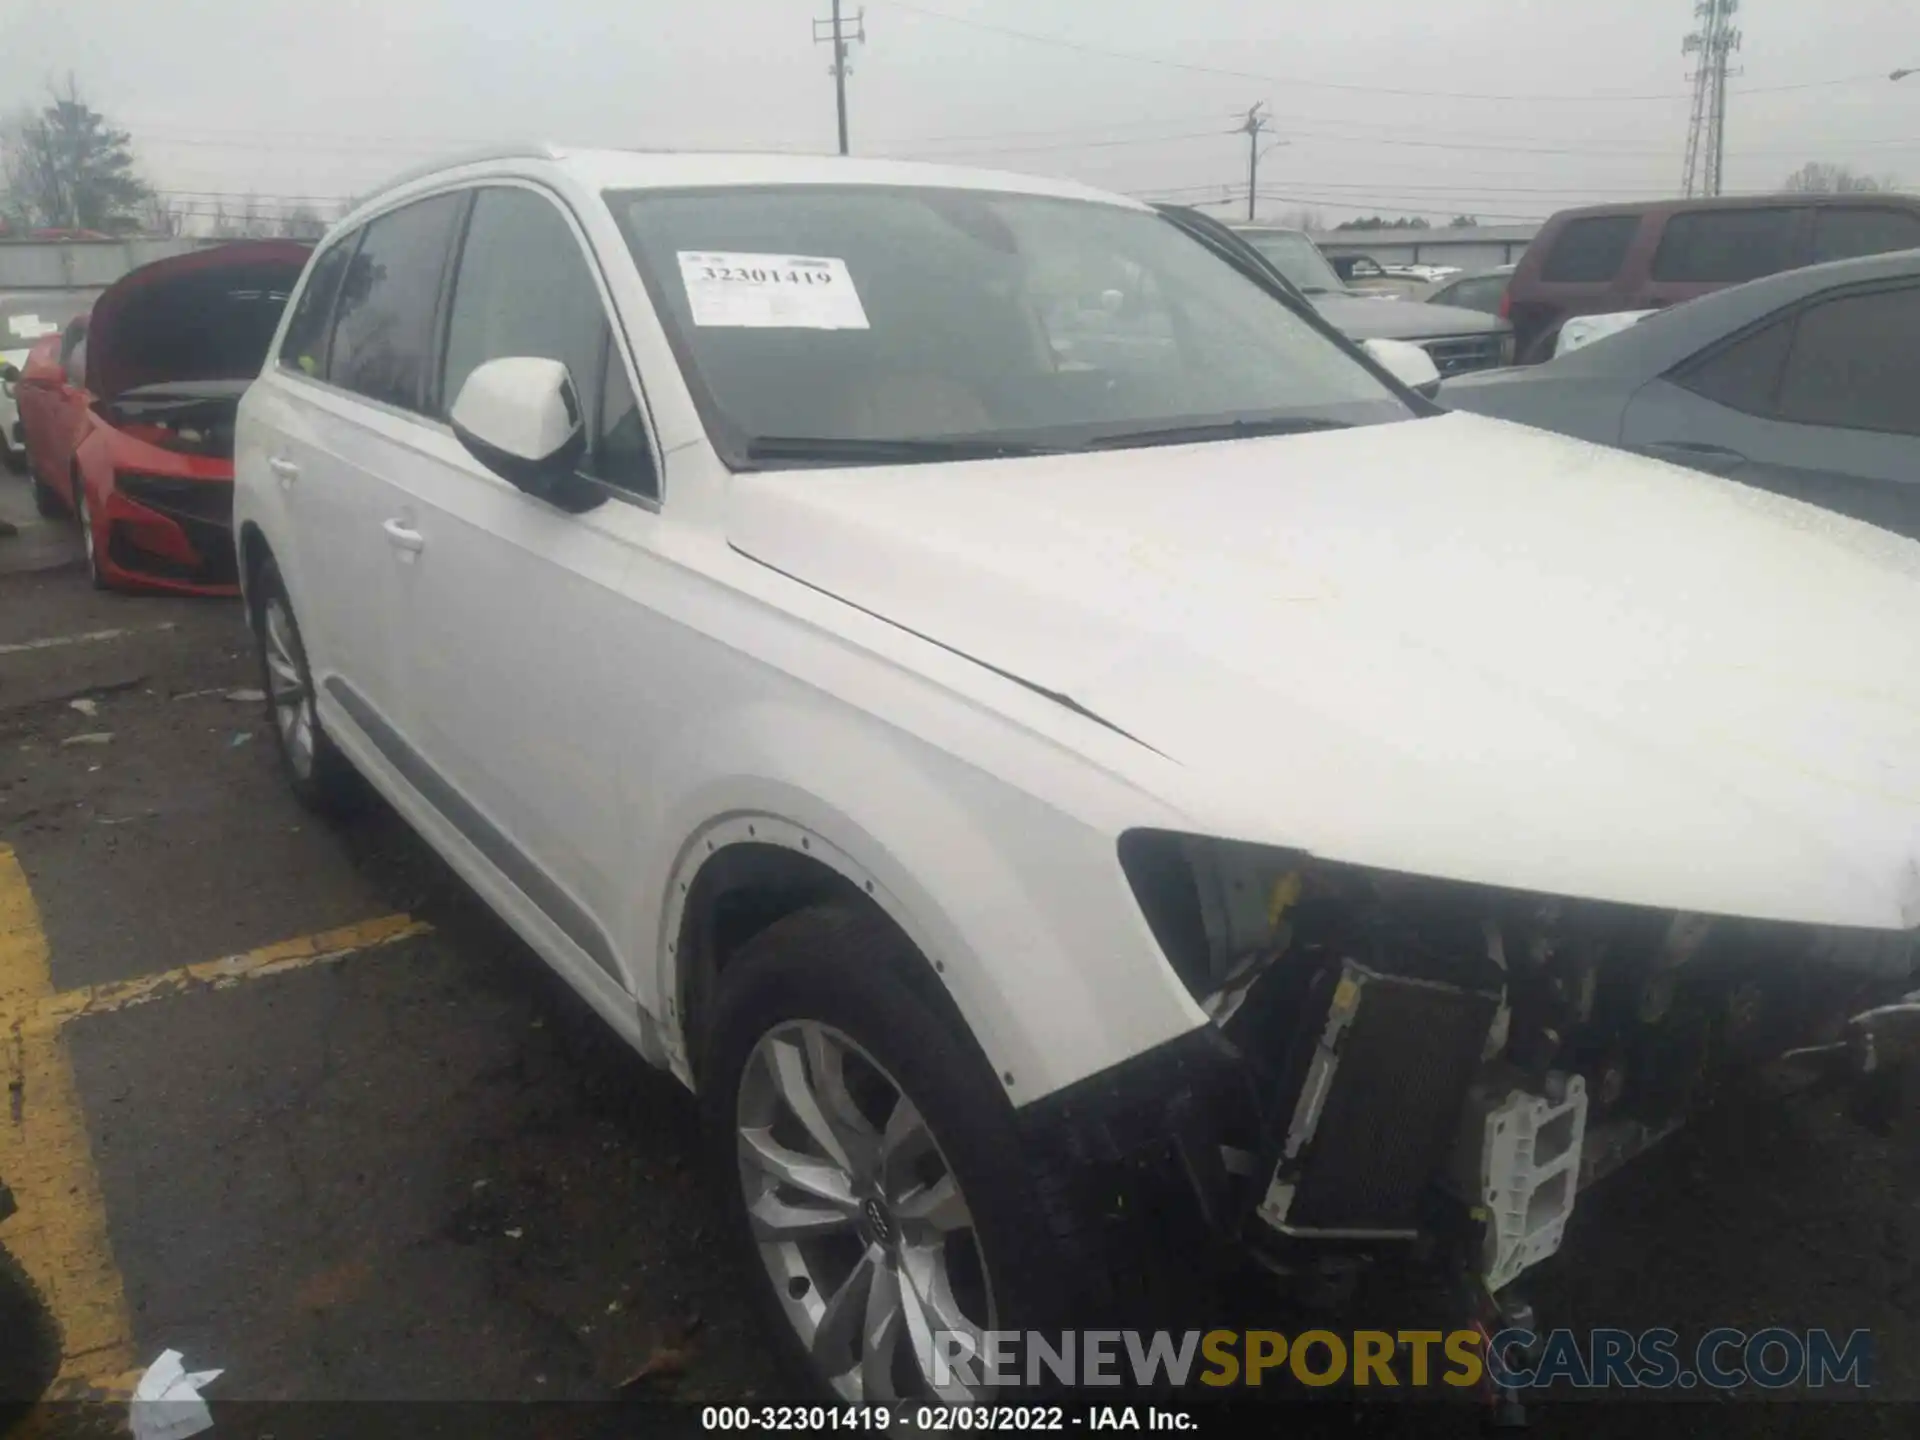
{"x": 1036, "y": 730}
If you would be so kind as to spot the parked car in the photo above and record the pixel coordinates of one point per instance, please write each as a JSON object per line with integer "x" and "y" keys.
{"x": 1802, "y": 383}
{"x": 1585, "y": 329}
{"x": 1034, "y": 804}
{"x": 1483, "y": 290}
{"x": 26, "y": 317}
{"x": 1609, "y": 258}
{"x": 1460, "y": 341}
{"x": 127, "y": 414}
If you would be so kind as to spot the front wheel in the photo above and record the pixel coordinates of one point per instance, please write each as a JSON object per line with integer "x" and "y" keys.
{"x": 870, "y": 1164}
{"x": 84, "y": 513}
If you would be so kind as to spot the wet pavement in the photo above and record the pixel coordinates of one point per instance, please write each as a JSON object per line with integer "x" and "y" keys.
{"x": 426, "y": 1171}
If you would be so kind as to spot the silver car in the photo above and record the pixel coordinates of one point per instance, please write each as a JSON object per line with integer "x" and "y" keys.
{"x": 1800, "y": 383}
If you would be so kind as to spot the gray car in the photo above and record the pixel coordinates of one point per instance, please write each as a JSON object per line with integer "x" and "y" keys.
{"x": 1803, "y": 383}
{"x": 1460, "y": 341}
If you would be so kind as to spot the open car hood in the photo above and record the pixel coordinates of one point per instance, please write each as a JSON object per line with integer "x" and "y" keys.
{"x": 206, "y": 315}
{"x": 1452, "y": 647}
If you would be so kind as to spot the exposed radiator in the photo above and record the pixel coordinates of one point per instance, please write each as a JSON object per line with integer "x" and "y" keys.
{"x": 1374, "y": 1092}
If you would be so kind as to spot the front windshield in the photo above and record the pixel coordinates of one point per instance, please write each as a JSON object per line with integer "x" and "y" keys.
{"x": 1297, "y": 258}
{"x": 883, "y": 323}
{"x": 25, "y": 319}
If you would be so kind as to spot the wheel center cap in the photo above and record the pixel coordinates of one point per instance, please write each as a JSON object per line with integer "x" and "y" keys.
{"x": 879, "y": 1222}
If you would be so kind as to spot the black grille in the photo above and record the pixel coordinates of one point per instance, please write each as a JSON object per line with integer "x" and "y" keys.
{"x": 1403, "y": 1065}
{"x": 210, "y": 500}
{"x": 214, "y": 543}
{"x": 1463, "y": 353}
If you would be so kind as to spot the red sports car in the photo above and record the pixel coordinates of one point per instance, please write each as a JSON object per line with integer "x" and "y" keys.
{"x": 127, "y": 414}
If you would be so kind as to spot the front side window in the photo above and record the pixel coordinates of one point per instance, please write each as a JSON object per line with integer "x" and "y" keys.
{"x": 821, "y": 324}
{"x": 1724, "y": 247}
{"x": 1482, "y": 293}
{"x": 382, "y": 343}
{"x": 523, "y": 289}
{"x": 1590, "y": 251}
{"x": 1852, "y": 363}
{"x": 1300, "y": 260}
{"x": 305, "y": 346}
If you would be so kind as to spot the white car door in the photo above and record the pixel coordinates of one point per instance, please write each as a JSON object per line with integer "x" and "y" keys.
{"x": 340, "y": 415}
{"x": 519, "y": 642}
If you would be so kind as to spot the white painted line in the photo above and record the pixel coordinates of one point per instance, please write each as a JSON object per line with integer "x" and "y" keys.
{"x": 54, "y": 642}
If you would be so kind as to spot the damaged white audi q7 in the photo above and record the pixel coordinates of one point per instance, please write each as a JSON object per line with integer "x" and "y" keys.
{"x": 1034, "y": 728}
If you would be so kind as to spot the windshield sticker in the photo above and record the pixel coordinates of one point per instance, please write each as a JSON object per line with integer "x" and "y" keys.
{"x": 31, "y": 327}
{"x": 770, "y": 292}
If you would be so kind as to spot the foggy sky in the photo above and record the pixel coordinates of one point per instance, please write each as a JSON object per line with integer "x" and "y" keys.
{"x": 325, "y": 98}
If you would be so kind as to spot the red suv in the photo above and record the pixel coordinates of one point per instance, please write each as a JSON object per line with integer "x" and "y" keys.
{"x": 1642, "y": 257}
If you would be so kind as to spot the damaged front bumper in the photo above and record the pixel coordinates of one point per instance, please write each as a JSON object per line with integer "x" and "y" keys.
{"x": 1398, "y": 1067}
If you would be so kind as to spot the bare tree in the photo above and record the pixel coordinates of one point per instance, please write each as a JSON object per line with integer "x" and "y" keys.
{"x": 301, "y": 222}
{"x": 1464, "y": 222}
{"x": 1305, "y": 219}
{"x": 1818, "y": 177}
{"x": 160, "y": 215}
{"x": 66, "y": 167}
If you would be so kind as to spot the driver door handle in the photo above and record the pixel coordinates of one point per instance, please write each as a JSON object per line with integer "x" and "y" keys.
{"x": 285, "y": 471}
{"x": 407, "y": 541}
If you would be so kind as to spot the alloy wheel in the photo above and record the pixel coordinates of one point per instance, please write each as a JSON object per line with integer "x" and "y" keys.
{"x": 859, "y": 1219}
{"x": 290, "y": 695}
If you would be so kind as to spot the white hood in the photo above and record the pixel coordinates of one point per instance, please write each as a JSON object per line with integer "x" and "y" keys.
{"x": 1453, "y": 647}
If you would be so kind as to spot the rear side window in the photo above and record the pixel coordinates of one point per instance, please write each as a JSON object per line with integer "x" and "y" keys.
{"x": 1852, "y": 364}
{"x": 1746, "y": 374}
{"x": 305, "y": 348}
{"x": 1846, "y": 232}
{"x": 1591, "y": 250}
{"x": 1726, "y": 246}
{"x": 383, "y": 332}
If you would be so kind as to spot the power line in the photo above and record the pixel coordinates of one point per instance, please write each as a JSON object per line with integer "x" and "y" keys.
{"x": 1061, "y": 145}
{"x": 1300, "y": 81}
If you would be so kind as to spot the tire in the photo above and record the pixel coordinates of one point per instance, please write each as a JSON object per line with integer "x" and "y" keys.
{"x": 830, "y": 980}
{"x": 321, "y": 778}
{"x": 30, "y": 1358}
{"x": 84, "y": 514}
{"x": 45, "y": 499}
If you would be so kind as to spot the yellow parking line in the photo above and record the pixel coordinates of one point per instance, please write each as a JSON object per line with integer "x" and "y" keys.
{"x": 60, "y": 1235}
{"x": 51, "y": 1012}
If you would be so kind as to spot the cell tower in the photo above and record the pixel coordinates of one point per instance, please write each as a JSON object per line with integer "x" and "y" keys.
{"x": 1713, "y": 42}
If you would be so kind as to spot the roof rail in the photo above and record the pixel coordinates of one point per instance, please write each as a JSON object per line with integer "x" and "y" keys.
{"x": 523, "y": 150}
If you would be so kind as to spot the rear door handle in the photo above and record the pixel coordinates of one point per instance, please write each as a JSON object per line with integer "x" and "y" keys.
{"x": 285, "y": 471}
{"x": 408, "y": 542}
{"x": 1716, "y": 458}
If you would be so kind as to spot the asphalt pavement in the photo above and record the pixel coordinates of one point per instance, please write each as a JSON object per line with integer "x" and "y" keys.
{"x": 401, "y": 1161}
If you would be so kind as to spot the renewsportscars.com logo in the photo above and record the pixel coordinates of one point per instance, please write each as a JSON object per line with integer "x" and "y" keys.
{"x": 1722, "y": 1359}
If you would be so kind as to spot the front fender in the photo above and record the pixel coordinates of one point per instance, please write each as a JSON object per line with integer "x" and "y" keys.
{"x": 1021, "y": 908}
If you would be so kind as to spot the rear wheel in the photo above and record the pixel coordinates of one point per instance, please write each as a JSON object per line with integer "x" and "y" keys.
{"x": 322, "y": 778}
{"x": 870, "y": 1164}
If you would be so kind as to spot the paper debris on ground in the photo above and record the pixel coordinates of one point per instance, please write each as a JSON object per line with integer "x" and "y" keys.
{"x": 85, "y": 706}
{"x": 240, "y": 737}
{"x": 247, "y": 697}
{"x": 92, "y": 737}
{"x": 167, "y": 1403}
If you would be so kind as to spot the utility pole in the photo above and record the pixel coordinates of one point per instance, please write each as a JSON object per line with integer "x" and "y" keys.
{"x": 1253, "y": 126}
{"x": 835, "y": 31}
{"x": 1713, "y": 42}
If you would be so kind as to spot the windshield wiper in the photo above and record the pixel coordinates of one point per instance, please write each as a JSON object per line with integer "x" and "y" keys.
{"x": 1215, "y": 430}
{"x": 830, "y": 449}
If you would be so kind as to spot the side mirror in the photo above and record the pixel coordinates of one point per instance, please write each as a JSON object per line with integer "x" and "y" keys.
{"x": 1407, "y": 363}
{"x": 520, "y": 417}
